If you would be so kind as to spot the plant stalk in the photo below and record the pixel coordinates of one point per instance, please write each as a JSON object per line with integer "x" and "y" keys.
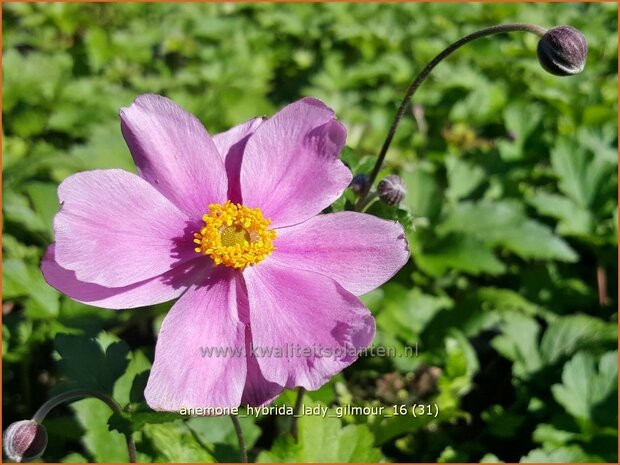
{"x": 413, "y": 87}
{"x": 77, "y": 394}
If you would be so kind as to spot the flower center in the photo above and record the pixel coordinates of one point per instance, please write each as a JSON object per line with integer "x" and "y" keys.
{"x": 234, "y": 235}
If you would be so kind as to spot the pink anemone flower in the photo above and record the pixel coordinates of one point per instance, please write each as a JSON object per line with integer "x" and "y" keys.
{"x": 230, "y": 224}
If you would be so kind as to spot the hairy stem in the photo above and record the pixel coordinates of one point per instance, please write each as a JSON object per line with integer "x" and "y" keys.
{"x": 420, "y": 79}
{"x": 242, "y": 449}
{"x": 72, "y": 396}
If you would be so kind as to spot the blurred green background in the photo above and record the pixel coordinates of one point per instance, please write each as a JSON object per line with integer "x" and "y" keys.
{"x": 510, "y": 296}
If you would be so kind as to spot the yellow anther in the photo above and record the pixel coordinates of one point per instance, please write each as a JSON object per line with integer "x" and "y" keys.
{"x": 234, "y": 235}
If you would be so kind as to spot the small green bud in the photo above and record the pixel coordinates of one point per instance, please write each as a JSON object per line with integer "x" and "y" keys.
{"x": 562, "y": 51}
{"x": 24, "y": 440}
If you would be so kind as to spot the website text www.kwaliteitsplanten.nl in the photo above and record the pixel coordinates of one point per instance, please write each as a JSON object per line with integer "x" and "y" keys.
{"x": 294, "y": 350}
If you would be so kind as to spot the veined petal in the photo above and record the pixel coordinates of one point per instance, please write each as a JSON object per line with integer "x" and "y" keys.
{"x": 258, "y": 391}
{"x": 305, "y": 326}
{"x": 174, "y": 152}
{"x": 153, "y": 291}
{"x": 359, "y": 251}
{"x": 114, "y": 229}
{"x": 200, "y": 353}
{"x": 290, "y": 167}
{"x": 231, "y": 144}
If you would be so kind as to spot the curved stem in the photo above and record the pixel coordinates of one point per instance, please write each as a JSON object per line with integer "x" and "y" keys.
{"x": 239, "y": 431}
{"x": 296, "y": 411}
{"x": 413, "y": 87}
{"x": 76, "y": 394}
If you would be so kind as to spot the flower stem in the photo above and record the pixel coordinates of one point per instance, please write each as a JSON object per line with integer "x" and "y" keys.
{"x": 76, "y": 394}
{"x": 413, "y": 87}
{"x": 240, "y": 439}
{"x": 296, "y": 411}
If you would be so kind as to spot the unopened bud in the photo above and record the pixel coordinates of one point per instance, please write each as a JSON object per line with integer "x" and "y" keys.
{"x": 359, "y": 183}
{"x": 391, "y": 189}
{"x": 562, "y": 51}
{"x": 24, "y": 440}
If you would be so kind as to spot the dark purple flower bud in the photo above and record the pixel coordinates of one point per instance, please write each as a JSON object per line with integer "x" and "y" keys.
{"x": 24, "y": 440}
{"x": 562, "y": 51}
{"x": 391, "y": 189}
{"x": 359, "y": 183}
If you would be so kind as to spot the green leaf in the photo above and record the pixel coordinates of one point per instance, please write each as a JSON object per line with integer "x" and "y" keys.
{"x": 423, "y": 194}
{"x": 584, "y": 178}
{"x": 324, "y": 440}
{"x": 574, "y": 219}
{"x": 129, "y": 387}
{"x": 395, "y": 213}
{"x": 45, "y": 202}
{"x": 502, "y": 423}
{"x": 17, "y": 209}
{"x": 461, "y": 363}
{"x": 104, "y": 149}
{"x": 459, "y": 252}
{"x": 588, "y": 392}
{"x": 405, "y": 313}
{"x": 567, "y": 334}
{"x": 463, "y": 178}
{"x": 103, "y": 444}
{"x": 175, "y": 442}
{"x": 568, "y": 454}
{"x": 551, "y": 437}
{"x": 94, "y": 363}
{"x": 504, "y": 223}
{"x": 220, "y": 432}
{"x": 521, "y": 119}
{"x": 519, "y": 343}
{"x": 22, "y": 280}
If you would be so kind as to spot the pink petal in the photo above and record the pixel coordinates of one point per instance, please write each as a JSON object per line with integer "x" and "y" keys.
{"x": 258, "y": 391}
{"x": 206, "y": 316}
{"x": 115, "y": 229}
{"x": 230, "y": 145}
{"x": 290, "y": 168}
{"x": 305, "y": 326}
{"x": 153, "y": 291}
{"x": 174, "y": 152}
{"x": 359, "y": 251}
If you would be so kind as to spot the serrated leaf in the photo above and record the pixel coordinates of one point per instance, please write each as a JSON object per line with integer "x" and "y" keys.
{"x": 175, "y": 442}
{"x": 133, "y": 379}
{"x": 103, "y": 444}
{"x": 583, "y": 177}
{"x": 94, "y": 363}
{"x": 574, "y": 220}
{"x": 567, "y": 334}
{"x": 589, "y": 389}
{"x": 504, "y": 223}
{"x": 519, "y": 343}
{"x": 324, "y": 440}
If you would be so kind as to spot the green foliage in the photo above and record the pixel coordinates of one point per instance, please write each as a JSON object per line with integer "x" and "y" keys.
{"x": 324, "y": 440}
{"x": 505, "y": 317}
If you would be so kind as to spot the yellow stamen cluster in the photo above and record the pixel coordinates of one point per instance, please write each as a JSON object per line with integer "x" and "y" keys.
{"x": 234, "y": 235}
